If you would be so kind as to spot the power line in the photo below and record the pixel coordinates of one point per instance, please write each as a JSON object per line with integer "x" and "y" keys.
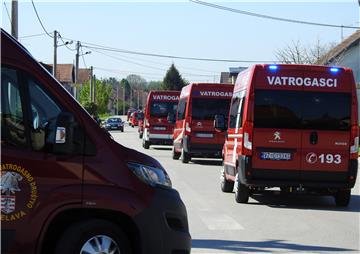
{"x": 121, "y": 59}
{"x": 82, "y": 56}
{"x": 40, "y": 20}
{"x": 267, "y": 16}
{"x": 7, "y": 11}
{"x": 66, "y": 43}
{"x": 32, "y": 35}
{"x": 99, "y": 47}
{"x": 128, "y": 61}
{"x": 106, "y": 48}
{"x": 167, "y": 65}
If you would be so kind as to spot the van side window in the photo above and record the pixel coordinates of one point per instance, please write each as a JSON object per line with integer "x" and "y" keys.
{"x": 13, "y": 132}
{"x": 44, "y": 113}
{"x": 181, "y": 109}
{"x": 233, "y": 111}
{"x": 240, "y": 114}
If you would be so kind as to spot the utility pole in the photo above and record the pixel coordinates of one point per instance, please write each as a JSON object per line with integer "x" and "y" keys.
{"x": 77, "y": 61}
{"x": 138, "y": 99}
{"x": 117, "y": 100}
{"x": 124, "y": 100}
{"x": 91, "y": 84}
{"x": 14, "y": 19}
{"x": 94, "y": 89}
{"x": 76, "y": 66}
{"x": 55, "y": 54}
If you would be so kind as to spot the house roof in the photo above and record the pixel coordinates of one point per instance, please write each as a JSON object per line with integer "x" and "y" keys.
{"x": 340, "y": 48}
{"x": 84, "y": 75}
{"x": 65, "y": 73}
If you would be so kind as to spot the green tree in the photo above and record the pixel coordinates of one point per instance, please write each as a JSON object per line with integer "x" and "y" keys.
{"x": 102, "y": 96}
{"x": 136, "y": 82}
{"x": 154, "y": 85}
{"x": 173, "y": 80}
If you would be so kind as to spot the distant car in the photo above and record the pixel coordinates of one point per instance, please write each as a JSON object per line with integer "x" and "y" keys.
{"x": 114, "y": 123}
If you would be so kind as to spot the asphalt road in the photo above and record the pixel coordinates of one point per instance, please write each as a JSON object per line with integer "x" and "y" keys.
{"x": 269, "y": 223}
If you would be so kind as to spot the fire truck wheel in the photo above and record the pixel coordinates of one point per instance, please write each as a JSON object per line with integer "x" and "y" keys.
{"x": 185, "y": 157}
{"x": 226, "y": 186}
{"x": 146, "y": 144}
{"x": 175, "y": 155}
{"x": 242, "y": 192}
{"x": 342, "y": 198}
{"x": 93, "y": 236}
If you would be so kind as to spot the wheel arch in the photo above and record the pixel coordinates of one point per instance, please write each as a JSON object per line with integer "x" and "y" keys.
{"x": 66, "y": 218}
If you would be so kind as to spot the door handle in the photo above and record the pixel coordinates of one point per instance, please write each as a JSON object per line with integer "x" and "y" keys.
{"x": 313, "y": 138}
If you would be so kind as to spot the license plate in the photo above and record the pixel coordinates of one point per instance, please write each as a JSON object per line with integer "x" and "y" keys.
{"x": 158, "y": 128}
{"x": 276, "y": 156}
{"x": 204, "y": 135}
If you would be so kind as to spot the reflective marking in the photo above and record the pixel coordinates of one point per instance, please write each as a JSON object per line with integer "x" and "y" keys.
{"x": 235, "y": 135}
{"x": 234, "y": 151}
{"x": 220, "y": 222}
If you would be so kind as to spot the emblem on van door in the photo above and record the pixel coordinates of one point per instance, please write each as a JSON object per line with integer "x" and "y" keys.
{"x": 311, "y": 158}
{"x": 277, "y": 135}
{"x": 277, "y": 138}
{"x": 13, "y": 207}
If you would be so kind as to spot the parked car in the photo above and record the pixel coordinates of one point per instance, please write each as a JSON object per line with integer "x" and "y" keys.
{"x": 114, "y": 123}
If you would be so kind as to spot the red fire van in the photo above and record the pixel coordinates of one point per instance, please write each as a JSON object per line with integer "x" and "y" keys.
{"x": 194, "y": 133}
{"x": 160, "y": 118}
{"x": 293, "y": 127}
{"x": 135, "y": 117}
{"x": 66, "y": 185}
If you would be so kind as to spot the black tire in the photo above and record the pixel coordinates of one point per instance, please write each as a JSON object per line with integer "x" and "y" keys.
{"x": 122, "y": 129}
{"x": 140, "y": 135}
{"x": 146, "y": 144}
{"x": 226, "y": 186}
{"x": 175, "y": 155}
{"x": 342, "y": 198}
{"x": 74, "y": 238}
{"x": 185, "y": 157}
{"x": 242, "y": 192}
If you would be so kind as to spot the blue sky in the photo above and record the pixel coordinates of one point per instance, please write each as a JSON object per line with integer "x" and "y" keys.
{"x": 180, "y": 28}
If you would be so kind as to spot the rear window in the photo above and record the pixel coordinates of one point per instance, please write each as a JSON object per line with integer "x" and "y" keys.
{"x": 162, "y": 108}
{"x": 206, "y": 109}
{"x": 114, "y": 120}
{"x": 302, "y": 110}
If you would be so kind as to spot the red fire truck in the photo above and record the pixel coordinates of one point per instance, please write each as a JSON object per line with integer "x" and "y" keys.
{"x": 194, "y": 134}
{"x": 293, "y": 127}
{"x": 159, "y": 118}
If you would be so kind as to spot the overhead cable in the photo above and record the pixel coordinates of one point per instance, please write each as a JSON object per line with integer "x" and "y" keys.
{"x": 269, "y": 17}
{"x": 37, "y": 15}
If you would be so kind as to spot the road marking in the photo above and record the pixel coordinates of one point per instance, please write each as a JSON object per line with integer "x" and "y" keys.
{"x": 220, "y": 222}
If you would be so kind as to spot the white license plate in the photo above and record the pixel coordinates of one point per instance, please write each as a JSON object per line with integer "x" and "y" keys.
{"x": 158, "y": 128}
{"x": 204, "y": 135}
{"x": 276, "y": 156}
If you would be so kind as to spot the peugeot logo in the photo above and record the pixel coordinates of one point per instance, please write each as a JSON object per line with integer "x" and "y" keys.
{"x": 277, "y": 135}
{"x": 311, "y": 158}
{"x": 199, "y": 124}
